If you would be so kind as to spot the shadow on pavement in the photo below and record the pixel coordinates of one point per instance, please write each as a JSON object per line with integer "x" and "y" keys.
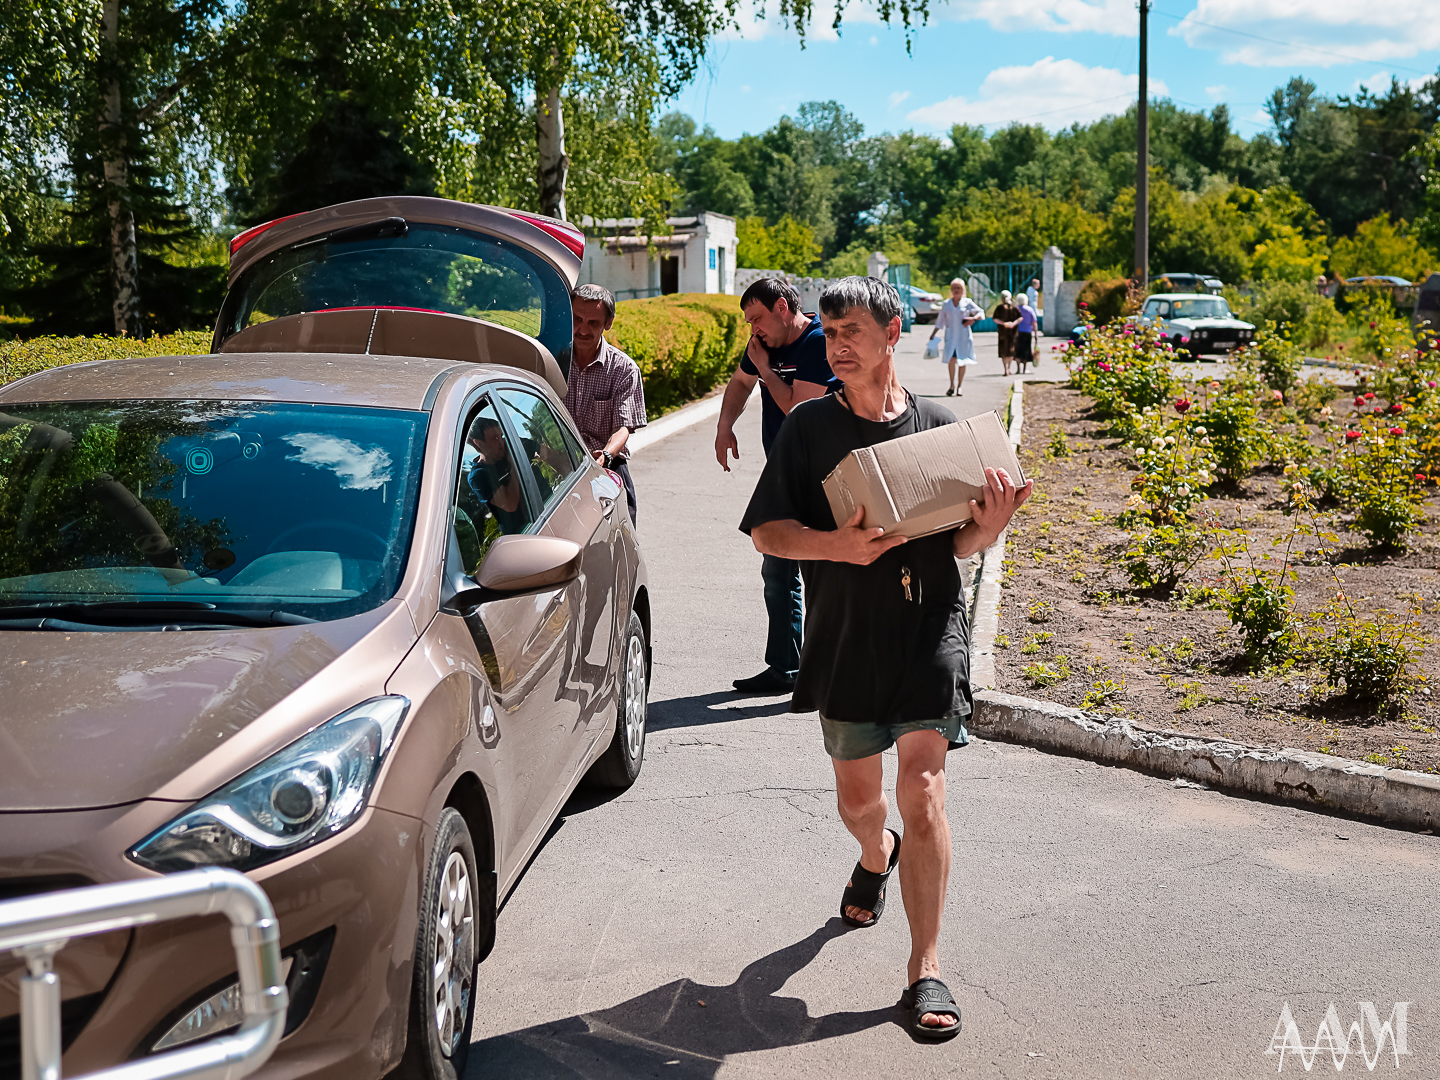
{"x": 696, "y": 711}
{"x": 667, "y": 1032}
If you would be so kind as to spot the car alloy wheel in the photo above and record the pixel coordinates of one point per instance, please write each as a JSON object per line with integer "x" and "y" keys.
{"x": 442, "y": 997}
{"x": 620, "y": 764}
{"x": 635, "y": 696}
{"x": 454, "y": 963}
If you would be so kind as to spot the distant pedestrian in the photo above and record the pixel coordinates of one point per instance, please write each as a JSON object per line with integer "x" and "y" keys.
{"x": 1033, "y": 292}
{"x": 957, "y": 316}
{"x": 605, "y": 395}
{"x": 786, "y": 354}
{"x": 1025, "y": 333}
{"x": 1007, "y": 318}
{"x": 887, "y": 650}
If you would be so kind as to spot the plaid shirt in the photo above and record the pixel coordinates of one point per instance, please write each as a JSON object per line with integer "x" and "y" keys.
{"x": 605, "y": 396}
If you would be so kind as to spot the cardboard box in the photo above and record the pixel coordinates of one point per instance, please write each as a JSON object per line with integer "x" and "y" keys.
{"x": 922, "y": 483}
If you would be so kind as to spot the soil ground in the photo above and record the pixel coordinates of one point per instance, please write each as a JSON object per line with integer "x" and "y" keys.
{"x": 1067, "y": 596}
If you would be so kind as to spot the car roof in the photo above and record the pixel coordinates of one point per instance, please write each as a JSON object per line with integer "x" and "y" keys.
{"x": 387, "y": 382}
{"x": 1183, "y": 296}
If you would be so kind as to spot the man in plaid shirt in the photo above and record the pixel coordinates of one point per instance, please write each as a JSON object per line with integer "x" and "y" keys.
{"x": 605, "y": 394}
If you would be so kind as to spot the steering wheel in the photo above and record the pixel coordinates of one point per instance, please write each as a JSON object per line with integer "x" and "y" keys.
{"x": 329, "y": 527}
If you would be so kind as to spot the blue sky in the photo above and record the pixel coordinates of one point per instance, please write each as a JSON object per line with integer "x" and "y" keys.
{"x": 1054, "y": 62}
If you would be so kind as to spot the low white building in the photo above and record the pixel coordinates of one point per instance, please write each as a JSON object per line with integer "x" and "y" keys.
{"x": 697, "y": 256}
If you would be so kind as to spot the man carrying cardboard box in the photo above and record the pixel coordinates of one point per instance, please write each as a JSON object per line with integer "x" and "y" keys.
{"x": 886, "y": 654}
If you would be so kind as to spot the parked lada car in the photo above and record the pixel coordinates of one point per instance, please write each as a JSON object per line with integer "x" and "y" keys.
{"x": 344, "y": 605}
{"x": 1197, "y": 324}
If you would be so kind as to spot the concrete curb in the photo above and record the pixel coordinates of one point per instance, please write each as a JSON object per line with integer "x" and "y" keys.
{"x": 985, "y": 618}
{"x": 682, "y": 418}
{"x": 1320, "y": 782}
{"x": 1314, "y": 781}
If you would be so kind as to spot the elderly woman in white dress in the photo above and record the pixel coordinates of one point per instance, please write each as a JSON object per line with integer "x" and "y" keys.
{"x": 957, "y": 315}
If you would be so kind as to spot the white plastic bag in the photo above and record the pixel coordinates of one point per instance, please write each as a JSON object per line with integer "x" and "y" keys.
{"x": 932, "y": 349}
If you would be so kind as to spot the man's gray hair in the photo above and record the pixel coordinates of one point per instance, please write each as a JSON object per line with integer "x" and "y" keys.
{"x": 878, "y": 297}
{"x": 596, "y": 293}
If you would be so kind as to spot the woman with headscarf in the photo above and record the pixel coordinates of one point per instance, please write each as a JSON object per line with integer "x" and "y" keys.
{"x": 1007, "y": 318}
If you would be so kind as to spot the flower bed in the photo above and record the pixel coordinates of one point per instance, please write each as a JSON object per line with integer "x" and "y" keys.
{"x": 1255, "y": 558}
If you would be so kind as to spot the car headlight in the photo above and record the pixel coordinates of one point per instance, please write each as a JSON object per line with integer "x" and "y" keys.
{"x": 312, "y": 789}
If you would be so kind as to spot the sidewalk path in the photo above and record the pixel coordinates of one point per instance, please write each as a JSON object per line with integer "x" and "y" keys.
{"x": 1100, "y": 924}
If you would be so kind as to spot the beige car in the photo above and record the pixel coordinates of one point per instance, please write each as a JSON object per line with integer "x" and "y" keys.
{"x": 344, "y": 605}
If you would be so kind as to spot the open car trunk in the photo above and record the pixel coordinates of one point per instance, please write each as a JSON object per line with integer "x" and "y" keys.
{"x": 383, "y": 331}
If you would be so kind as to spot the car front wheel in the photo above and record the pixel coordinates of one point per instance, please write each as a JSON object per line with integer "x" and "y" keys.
{"x": 442, "y": 1004}
{"x": 619, "y": 766}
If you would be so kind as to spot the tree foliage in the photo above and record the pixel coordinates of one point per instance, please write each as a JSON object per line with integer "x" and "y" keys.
{"x": 1268, "y": 208}
{"x": 1381, "y": 246}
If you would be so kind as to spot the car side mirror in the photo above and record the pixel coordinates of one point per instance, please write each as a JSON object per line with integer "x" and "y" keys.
{"x": 517, "y": 564}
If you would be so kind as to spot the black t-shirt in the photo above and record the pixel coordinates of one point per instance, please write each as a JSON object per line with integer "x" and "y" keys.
{"x": 870, "y": 655}
{"x": 803, "y": 359}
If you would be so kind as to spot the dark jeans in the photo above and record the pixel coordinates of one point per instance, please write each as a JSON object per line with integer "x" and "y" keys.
{"x": 782, "y": 603}
{"x": 622, "y": 469}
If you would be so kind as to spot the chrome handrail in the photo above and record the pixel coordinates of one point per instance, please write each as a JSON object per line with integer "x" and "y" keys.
{"x": 35, "y": 928}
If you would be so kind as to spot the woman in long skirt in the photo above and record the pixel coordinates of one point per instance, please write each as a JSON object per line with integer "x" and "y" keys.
{"x": 957, "y": 315}
{"x": 1007, "y": 318}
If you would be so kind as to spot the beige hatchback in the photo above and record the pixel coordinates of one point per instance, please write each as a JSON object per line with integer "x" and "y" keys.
{"x": 344, "y": 605}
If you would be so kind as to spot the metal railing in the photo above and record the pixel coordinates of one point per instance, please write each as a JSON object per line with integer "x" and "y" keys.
{"x": 35, "y": 928}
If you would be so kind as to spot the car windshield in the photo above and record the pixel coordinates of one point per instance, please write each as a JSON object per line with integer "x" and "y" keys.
{"x": 231, "y": 507}
{"x": 418, "y": 265}
{"x": 1199, "y": 307}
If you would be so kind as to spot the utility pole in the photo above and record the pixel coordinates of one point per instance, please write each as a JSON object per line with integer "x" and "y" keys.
{"x": 1142, "y": 156}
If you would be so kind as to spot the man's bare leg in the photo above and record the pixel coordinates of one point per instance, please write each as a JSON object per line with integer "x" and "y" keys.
{"x": 860, "y": 793}
{"x": 925, "y": 856}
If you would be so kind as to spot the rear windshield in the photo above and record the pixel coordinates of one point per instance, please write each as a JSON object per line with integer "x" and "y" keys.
{"x": 243, "y": 507}
{"x": 430, "y": 267}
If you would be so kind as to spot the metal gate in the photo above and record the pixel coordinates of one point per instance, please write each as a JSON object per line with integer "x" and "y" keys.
{"x": 985, "y": 280}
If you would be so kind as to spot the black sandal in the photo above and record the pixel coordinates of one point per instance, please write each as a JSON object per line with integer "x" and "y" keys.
{"x": 929, "y": 995}
{"x": 867, "y": 890}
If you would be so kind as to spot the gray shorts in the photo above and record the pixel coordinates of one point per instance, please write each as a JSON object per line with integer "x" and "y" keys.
{"x": 849, "y": 740}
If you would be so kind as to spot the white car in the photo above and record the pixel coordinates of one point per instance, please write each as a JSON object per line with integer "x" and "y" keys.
{"x": 1197, "y": 324}
{"x": 925, "y": 304}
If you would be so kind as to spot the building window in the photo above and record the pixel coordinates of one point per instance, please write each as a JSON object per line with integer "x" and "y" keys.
{"x": 712, "y": 258}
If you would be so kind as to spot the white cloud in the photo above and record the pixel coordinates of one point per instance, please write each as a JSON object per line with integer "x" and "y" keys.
{"x": 874, "y": 40}
{"x": 1316, "y": 33}
{"x": 745, "y": 89}
{"x": 357, "y": 468}
{"x": 1217, "y": 91}
{"x": 1379, "y": 83}
{"x": 1117, "y": 18}
{"x": 897, "y": 97}
{"x": 1054, "y": 93}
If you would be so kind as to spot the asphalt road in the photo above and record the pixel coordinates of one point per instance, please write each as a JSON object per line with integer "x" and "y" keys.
{"x": 1100, "y": 923}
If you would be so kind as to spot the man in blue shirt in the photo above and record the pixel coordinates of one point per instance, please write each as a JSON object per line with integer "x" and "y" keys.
{"x": 787, "y": 354}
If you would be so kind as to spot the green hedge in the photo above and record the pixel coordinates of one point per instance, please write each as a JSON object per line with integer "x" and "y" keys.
{"x": 21, "y": 358}
{"x": 686, "y": 345}
{"x": 1106, "y": 299}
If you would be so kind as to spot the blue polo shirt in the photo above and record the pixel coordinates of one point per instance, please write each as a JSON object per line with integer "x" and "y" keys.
{"x": 803, "y": 359}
